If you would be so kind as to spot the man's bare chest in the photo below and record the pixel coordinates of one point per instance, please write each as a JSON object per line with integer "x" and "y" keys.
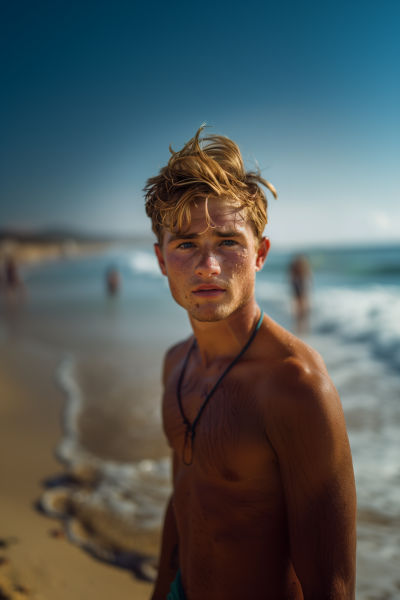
{"x": 230, "y": 434}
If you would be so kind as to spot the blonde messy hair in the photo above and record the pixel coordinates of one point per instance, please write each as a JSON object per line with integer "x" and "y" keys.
{"x": 212, "y": 166}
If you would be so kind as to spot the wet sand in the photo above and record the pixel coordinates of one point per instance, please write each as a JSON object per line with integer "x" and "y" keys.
{"x": 36, "y": 560}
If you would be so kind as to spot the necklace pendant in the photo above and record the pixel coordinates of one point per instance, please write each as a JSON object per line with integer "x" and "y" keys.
{"x": 187, "y": 452}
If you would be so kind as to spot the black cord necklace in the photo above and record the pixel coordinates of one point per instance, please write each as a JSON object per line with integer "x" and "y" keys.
{"x": 191, "y": 428}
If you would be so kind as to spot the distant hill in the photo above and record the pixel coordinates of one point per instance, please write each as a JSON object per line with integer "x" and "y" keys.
{"x": 53, "y": 235}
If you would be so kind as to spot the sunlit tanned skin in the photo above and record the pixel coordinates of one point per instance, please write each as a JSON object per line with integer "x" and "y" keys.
{"x": 267, "y": 509}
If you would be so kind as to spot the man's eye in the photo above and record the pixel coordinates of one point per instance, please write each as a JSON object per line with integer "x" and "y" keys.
{"x": 229, "y": 243}
{"x": 186, "y": 245}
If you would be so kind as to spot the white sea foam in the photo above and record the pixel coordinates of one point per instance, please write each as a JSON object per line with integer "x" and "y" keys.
{"x": 136, "y": 491}
{"x": 144, "y": 263}
{"x": 370, "y": 314}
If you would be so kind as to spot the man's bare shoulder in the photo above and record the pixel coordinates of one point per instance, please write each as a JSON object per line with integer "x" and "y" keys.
{"x": 174, "y": 355}
{"x": 295, "y": 374}
{"x": 302, "y": 409}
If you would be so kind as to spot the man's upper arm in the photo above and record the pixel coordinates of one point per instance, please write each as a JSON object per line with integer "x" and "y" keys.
{"x": 172, "y": 357}
{"x": 307, "y": 430}
{"x": 168, "y": 365}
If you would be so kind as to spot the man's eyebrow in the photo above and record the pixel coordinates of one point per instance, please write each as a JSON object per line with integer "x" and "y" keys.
{"x": 183, "y": 236}
{"x": 228, "y": 233}
{"x": 216, "y": 231}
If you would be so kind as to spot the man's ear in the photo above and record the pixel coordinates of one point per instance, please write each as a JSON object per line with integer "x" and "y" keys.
{"x": 262, "y": 253}
{"x": 160, "y": 258}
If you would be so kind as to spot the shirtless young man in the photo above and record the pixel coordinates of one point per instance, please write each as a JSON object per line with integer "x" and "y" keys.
{"x": 264, "y": 502}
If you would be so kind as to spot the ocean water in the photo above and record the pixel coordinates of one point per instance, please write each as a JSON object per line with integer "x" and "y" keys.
{"x": 110, "y": 354}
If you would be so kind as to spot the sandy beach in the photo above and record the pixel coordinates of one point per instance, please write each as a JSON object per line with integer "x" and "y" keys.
{"x": 36, "y": 560}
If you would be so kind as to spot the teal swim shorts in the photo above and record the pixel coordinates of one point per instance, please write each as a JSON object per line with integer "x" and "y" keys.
{"x": 176, "y": 591}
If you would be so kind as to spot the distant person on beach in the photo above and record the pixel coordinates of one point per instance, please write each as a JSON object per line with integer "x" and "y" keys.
{"x": 10, "y": 281}
{"x": 300, "y": 279}
{"x": 113, "y": 281}
{"x": 264, "y": 501}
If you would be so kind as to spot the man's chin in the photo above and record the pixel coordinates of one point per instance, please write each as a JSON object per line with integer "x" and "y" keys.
{"x": 210, "y": 314}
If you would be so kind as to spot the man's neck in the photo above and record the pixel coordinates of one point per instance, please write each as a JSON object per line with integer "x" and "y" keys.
{"x": 227, "y": 337}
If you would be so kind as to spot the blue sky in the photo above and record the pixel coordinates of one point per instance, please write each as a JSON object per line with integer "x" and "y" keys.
{"x": 94, "y": 92}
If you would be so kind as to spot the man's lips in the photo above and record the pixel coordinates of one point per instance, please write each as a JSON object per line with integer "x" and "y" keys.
{"x": 208, "y": 291}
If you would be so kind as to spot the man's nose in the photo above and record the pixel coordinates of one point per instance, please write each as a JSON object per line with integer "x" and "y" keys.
{"x": 208, "y": 266}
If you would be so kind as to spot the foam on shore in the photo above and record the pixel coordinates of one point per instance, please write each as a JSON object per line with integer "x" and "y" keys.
{"x": 113, "y": 510}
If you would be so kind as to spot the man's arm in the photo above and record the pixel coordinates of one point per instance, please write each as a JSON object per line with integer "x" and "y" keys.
{"x": 169, "y": 556}
{"x": 169, "y": 559}
{"x": 308, "y": 432}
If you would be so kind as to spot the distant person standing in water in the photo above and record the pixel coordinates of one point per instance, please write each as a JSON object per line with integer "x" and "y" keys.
{"x": 10, "y": 280}
{"x": 113, "y": 281}
{"x": 300, "y": 279}
{"x": 264, "y": 502}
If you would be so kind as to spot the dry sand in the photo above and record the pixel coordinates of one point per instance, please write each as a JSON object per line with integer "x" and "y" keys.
{"x": 36, "y": 561}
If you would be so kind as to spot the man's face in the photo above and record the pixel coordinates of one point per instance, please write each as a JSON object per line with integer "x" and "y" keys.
{"x": 211, "y": 271}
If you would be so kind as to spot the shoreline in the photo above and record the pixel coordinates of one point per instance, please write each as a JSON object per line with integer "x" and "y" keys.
{"x": 34, "y": 253}
{"x": 36, "y": 560}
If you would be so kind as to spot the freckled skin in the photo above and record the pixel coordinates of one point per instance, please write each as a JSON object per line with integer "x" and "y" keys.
{"x": 267, "y": 509}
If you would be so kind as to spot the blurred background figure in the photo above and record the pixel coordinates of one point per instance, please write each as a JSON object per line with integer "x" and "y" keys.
{"x": 11, "y": 284}
{"x": 300, "y": 279}
{"x": 113, "y": 281}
